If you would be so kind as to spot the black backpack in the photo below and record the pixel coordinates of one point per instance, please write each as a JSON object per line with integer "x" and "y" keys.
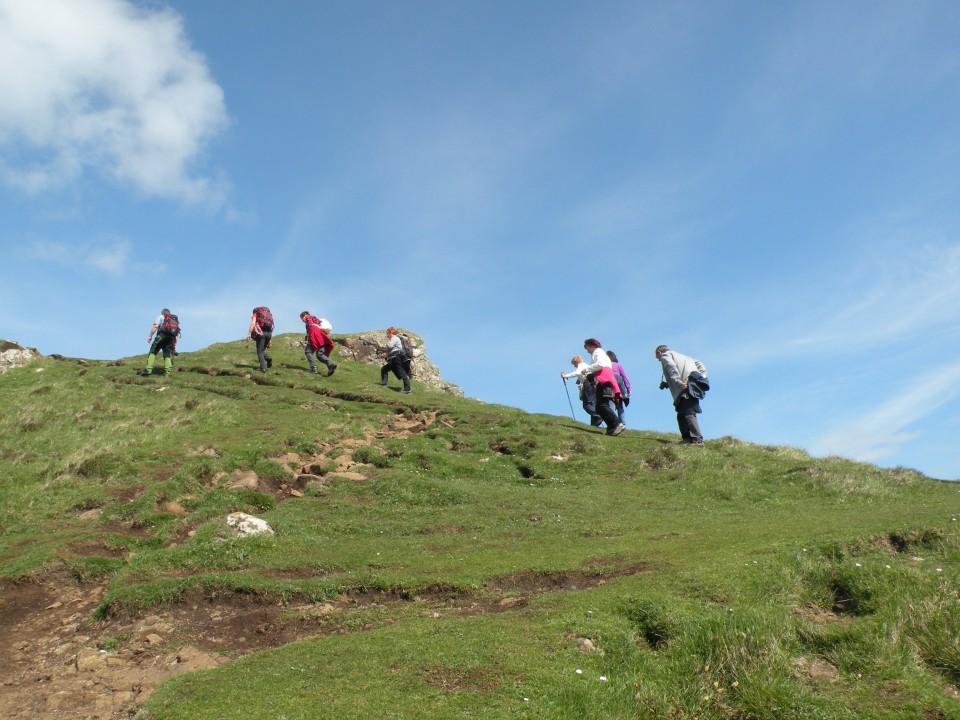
{"x": 171, "y": 325}
{"x": 406, "y": 349}
{"x": 264, "y": 318}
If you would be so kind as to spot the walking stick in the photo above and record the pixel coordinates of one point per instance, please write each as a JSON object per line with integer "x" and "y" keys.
{"x": 568, "y": 398}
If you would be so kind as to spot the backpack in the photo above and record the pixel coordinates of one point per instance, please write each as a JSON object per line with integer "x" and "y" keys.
{"x": 264, "y": 318}
{"x": 406, "y": 349}
{"x": 325, "y": 325}
{"x": 171, "y": 325}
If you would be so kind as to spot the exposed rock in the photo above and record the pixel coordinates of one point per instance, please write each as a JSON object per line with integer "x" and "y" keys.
{"x": 246, "y": 525}
{"x": 816, "y": 669}
{"x": 14, "y": 356}
{"x": 585, "y": 645}
{"x": 243, "y": 480}
{"x": 371, "y": 348}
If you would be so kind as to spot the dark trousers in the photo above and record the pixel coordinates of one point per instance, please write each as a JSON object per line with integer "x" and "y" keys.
{"x": 687, "y": 408}
{"x": 588, "y": 396}
{"x": 689, "y": 428}
{"x": 262, "y": 341}
{"x": 309, "y": 351}
{"x": 397, "y": 364}
{"x": 164, "y": 343}
{"x": 606, "y": 405}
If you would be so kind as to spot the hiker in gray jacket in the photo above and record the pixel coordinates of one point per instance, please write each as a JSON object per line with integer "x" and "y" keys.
{"x": 677, "y": 369}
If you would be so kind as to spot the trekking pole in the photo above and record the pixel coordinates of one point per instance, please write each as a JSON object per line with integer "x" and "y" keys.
{"x": 568, "y": 398}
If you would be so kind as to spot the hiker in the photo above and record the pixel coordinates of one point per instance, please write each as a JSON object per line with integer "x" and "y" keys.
{"x": 588, "y": 393}
{"x": 167, "y": 328}
{"x": 317, "y": 341}
{"x": 622, "y": 381}
{"x": 261, "y": 332}
{"x": 608, "y": 392}
{"x": 687, "y": 380}
{"x": 396, "y": 360}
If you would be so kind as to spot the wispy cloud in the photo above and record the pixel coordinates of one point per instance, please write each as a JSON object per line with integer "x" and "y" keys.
{"x": 883, "y": 431}
{"x": 105, "y": 85}
{"x": 109, "y": 255}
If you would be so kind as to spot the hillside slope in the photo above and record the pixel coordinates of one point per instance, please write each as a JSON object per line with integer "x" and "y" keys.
{"x": 438, "y": 557}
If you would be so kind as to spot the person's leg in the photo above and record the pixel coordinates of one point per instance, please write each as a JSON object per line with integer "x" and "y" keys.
{"x": 308, "y": 352}
{"x": 155, "y": 347}
{"x": 326, "y": 361}
{"x": 605, "y": 408}
{"x": 400, "y": 371}
{"x": 694, "y": 436}
{"x": 261, "y": 341}
{"x": 682, "y": 424}
{"x": 588, "y": 395}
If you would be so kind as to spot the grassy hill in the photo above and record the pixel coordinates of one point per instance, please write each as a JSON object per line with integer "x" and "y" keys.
{"x": 436, "y": 557}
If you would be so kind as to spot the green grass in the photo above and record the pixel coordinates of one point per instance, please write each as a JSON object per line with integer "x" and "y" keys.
{"x": 485, "y": 547}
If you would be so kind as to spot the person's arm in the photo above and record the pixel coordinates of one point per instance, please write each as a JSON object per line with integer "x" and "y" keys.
{"x": 153, "y": 329}
{"x": 253, "y": 325}
{"x": 670, "y": 370}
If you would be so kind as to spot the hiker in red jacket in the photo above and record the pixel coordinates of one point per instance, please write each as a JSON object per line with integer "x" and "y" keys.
{"x": 317, "y": 341}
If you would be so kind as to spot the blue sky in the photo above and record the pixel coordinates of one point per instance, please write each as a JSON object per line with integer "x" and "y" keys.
{"x": 773, "y": 188}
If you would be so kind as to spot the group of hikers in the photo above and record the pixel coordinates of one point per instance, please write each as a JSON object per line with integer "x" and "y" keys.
{"x": 318, "y": 346}
{"x": 605, "y": 388}
{"x": 603, "y": 383}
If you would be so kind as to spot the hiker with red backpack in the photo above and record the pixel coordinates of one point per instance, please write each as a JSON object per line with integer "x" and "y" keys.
{"x": 167, "y": 328}
{"x": 317, "y": 341}
{"x": 399, "y": 355}
{"x": 261, "y": 332}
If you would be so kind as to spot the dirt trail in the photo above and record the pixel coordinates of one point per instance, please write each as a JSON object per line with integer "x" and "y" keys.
{"x": 56, "y": 661}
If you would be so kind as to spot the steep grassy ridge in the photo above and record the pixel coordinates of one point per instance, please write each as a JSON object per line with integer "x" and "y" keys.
{"x": 446, "y": 558}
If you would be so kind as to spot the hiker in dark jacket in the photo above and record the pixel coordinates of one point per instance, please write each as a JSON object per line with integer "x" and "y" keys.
{"x": 317, "y": 341}
{"x": 167, "y": 327}
{"x": 261, "y": 332}
{"x": 395, "y": 360}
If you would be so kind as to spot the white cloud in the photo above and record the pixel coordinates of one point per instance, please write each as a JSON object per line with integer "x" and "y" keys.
{"x": 110, "y": 255}
{"x": 882, "y": 432}
{"x": 105, "y": 85}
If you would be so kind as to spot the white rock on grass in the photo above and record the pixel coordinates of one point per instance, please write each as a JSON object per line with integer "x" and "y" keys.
{"x": 248, "y": 524}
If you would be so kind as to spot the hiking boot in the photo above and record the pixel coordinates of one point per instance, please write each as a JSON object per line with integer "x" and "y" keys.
{"x": 618, "y": 429}
{"x": 166, "y": 373}
{"x": 406, "y": 392}
{"x": 144, "y": 373}
{"x": 269, "y": 362}
{"x": 330, "y": 370}
{"x": 383, "y": 384}
{"x": 313, "y": 371}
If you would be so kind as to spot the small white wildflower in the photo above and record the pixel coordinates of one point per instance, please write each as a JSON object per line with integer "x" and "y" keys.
{"x": 526, "y": 699}
{"x": 939, "y": 569}
{"x": 579, "y": 671}
{"x": 858, "y": 564}
{"x": 603, "y": 678}
{"x": 804, "y": 549}
{"x": 887, "y": 567}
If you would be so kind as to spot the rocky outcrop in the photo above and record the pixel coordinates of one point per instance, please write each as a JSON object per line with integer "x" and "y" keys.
{"x": 14, "y": 356}
{"x": 371, "y": 348}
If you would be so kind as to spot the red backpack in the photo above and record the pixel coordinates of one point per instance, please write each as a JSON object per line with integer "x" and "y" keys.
{"x": 264, "y": 318}
{"x": 171, "y": 325}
